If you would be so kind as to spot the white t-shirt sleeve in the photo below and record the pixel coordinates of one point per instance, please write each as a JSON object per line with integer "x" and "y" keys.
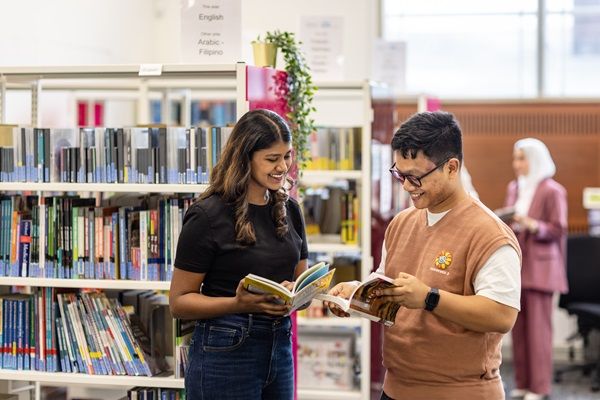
{"x": 500, "y": 278}
{"x": 381, "y": 268}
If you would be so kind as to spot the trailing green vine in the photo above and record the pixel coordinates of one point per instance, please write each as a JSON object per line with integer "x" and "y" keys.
{"x": 300, "y": 91}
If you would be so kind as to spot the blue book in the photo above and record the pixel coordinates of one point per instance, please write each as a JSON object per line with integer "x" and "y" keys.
{"x": 20, "y": 305}
{"x": 5, "y": 334}
{"x": 14, "y": 334}
{"x": 61, "y": 346}
{"x": 48, "y": 312}
{"x": 24, "y": 253}
{"x": 26, "y": 332}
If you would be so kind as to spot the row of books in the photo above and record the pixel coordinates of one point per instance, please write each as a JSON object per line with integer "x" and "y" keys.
{"x": 184, "y": 331}
{"x": 164, "y": 340}
{"x": 332, "y": 210}
{"x": 173, "y": 155}
{"x": 153, "y": 326}
{"x": 335, "y": 149}
{"x": 203, "y": 112}
{"x": 82, "y": 332}
{"x": 140, "y": 393}
{"x": 70, "y": 237}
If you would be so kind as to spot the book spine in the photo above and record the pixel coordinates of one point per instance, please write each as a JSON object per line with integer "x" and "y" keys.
{"x": 33, "y": 329}
{"x": 64, "y": 365}
{"x": 143, "y": 246}
{"x": 111, "y": 340}
{"x": 27, "y": 305}
{"x": 139, "y": 360}
{"x": 20, "y": 329}
{"x": 73, "y": 358}
{"x": 24, "y": 247}
{"x": 94, "y": 351}
{"x": 125, "y": 352}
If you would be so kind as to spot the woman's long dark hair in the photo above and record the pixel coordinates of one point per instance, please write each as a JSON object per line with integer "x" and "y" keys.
{"x": 256, "y": 130}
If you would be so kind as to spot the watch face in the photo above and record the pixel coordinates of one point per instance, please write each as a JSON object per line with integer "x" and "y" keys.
{"x": 432, "y": 299}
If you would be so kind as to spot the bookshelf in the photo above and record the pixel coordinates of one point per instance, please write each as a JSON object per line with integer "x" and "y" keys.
{"x": 228, "y": 82}
{"x": 141, "y": 82}
{"x": 345, "y": 104}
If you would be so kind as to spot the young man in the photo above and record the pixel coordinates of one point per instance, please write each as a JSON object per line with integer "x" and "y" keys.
{"x": 457, "y": 273}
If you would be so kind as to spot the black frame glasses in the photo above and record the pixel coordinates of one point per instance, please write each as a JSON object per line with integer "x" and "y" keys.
{"x": 414, "y": 180}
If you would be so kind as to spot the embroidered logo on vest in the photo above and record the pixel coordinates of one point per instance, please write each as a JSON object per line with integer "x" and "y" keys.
{"x": 443, "y": 260}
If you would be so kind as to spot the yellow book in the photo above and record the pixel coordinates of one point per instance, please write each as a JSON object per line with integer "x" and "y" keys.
{"x": 311, "y": 282}
{"x": 6, "y": 135}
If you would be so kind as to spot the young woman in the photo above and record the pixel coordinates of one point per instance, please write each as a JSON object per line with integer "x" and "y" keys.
{"x": 540, "y": 223}
{"x": 244, "y": 223}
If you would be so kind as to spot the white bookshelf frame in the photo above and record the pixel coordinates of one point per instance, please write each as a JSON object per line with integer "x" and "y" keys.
{"x": 118, "y": 284}
{"x": 222, "y": 78}
{"x": 101, "y": 187}
{"x": 357, "y": 95}
{"x": 92, "y": 380}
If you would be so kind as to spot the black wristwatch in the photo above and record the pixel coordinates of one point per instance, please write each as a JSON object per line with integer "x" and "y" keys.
{"x": 432, "y": 299}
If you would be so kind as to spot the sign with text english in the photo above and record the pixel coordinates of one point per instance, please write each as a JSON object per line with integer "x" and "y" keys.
{"x": 211, "y": 31}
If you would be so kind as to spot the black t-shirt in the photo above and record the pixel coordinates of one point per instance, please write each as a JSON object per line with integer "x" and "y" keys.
{"x": 207, "y": 245}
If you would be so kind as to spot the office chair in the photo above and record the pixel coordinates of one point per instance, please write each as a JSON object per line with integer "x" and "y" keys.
{"x": 583, "y": 299}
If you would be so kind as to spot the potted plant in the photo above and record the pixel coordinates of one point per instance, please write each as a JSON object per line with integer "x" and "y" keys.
{"x": 298, "y": 90}
{"x": 265, "y": 53}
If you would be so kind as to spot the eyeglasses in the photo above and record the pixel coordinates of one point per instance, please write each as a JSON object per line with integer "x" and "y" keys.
{"x": 414, "y": 180}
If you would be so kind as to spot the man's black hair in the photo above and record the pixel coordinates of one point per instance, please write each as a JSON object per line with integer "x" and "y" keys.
{"x": 436, "y": 133}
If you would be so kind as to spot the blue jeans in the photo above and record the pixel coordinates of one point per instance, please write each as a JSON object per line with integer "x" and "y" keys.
{"x": 241, "y": 356}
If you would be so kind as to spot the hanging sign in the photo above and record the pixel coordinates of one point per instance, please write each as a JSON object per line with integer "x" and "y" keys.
{"x": 389, "y": 64}
{"x": 211, "y": 31}
{"x": 322, "y": 43}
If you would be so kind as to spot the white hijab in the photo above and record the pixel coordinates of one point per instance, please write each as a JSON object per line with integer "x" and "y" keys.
{"x": 541, "y": 167}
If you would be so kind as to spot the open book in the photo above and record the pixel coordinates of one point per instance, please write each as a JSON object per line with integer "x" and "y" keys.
{"x": 506, "y": 214}
{"x": 311, "y": 282}
{"x": 364, "y": 303}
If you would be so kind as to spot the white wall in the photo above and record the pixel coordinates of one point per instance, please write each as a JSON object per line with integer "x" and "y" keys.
{"x": 79, "y": 32}
{"x": 76, "y": 32}
{"x": 71, "y": 32}
{"x": 260, "y": 16}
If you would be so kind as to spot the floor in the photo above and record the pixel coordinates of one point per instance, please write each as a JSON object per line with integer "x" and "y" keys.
{"x": 574, "y": 386}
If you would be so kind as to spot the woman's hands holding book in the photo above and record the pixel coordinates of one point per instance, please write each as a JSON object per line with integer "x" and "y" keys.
{"x": 248, "y": 302}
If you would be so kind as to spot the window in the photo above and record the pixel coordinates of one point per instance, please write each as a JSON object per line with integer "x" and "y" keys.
{"x": 572, "y": 40}
{"x": 467, "y": 49}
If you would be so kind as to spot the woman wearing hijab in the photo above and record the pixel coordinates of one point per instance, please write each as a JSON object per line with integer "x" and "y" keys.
{"x": 540, "y": 223}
